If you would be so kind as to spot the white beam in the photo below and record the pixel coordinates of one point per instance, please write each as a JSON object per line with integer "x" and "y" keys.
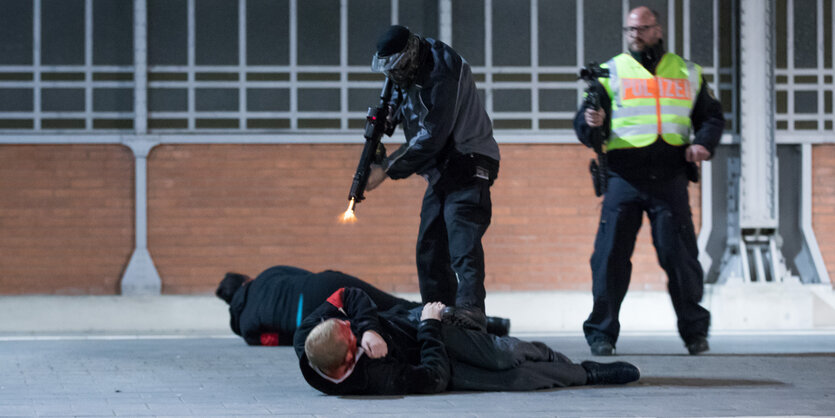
{"x": 758, "y": 180}
{"x": 141, "y": 276}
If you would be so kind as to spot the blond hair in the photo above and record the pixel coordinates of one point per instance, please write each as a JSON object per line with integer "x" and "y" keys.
{"x": 325, "y": 347}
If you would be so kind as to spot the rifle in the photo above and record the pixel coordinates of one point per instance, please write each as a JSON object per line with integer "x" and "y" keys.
{"x": 373, "y": 152}
{"x": 599, "y": 168}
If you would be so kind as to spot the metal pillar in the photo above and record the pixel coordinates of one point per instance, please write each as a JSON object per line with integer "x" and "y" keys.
{"x": 445, "y": 21}
{"x": 809, "y": 261}
{"x": 140, "y": 277}
{"x": 753, "y": 247}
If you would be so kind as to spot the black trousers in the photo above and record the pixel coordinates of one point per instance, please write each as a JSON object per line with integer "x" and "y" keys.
{"x": 481, "y": 361}
{"x": 667, "y": 205}
{"x": 450, "y": 258}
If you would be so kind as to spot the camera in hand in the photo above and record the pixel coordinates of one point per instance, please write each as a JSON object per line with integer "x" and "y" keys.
{"x": 599, "y": 168}
{"x": 592, "y": 72}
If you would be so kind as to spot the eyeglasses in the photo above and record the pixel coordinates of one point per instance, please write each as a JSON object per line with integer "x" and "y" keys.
{"x": 638, "y": 29}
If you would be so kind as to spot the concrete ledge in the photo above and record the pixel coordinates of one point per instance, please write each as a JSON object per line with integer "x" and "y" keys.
{"x": 113, "y": 314}
{"x": 767, "y": 306}
{"x": 734, "y": 308}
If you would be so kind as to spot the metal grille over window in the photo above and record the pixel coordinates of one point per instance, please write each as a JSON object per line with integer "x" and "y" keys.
{"x": 804, "y": 69}
{"x": 262, "y": 66}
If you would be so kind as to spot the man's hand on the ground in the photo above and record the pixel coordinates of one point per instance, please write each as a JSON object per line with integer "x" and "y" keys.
{"x": 432, "y": 310}
{"x": 696, "y": 153}
{"x": 373, "y": 344}
{"x": 376, "y": 177}
{"x": 595, "y": 118}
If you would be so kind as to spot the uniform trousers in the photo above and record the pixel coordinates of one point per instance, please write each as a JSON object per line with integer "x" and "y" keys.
{"x": 667, "y": 205}
{"x": 450, "y": 257}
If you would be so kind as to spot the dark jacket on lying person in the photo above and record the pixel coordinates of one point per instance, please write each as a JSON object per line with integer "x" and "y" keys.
{"x": 426, "y": 356}
{"x": 416, "y": 360}
{"x": 268, "y": 309}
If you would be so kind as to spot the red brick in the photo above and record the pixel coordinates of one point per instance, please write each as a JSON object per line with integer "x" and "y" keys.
{"x": 244, "y": 207}
{"x": 67, "y": 218}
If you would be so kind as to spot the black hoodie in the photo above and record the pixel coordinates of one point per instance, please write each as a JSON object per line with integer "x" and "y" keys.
{"x": 279, "y": 298}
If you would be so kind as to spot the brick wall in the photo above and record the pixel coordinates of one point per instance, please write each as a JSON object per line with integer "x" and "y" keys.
{"x": 66, "y": 213}
{"x": 66, "y": 218}
{"x": 218, "y": 208}
{"x": 545, "y": 218}
{"x": 823, "y": 203}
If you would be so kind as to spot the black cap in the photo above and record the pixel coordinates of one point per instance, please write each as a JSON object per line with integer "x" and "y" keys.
{"x": 393, "y": 40}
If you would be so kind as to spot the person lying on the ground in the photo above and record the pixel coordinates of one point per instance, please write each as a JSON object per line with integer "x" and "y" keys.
{"x": 348, "y": 347}
{"x": 268, "y": 309}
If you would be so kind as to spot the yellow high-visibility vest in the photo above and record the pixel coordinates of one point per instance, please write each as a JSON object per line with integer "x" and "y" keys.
{"x": 646, "y": 106}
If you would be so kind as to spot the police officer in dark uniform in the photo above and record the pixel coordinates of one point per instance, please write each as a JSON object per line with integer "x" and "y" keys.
{"x": 655, "y": 99}
{"x": 449, "y": 141}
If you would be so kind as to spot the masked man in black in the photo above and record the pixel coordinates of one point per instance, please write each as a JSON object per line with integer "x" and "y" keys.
{"x": 449, "y": 141}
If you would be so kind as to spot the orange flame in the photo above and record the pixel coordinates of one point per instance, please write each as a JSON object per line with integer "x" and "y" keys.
{"x": 348, "y": 217}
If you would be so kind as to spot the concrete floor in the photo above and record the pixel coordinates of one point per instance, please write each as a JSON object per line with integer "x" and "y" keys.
{"x": 763, "y": 374}
{"x": 773, "y": 354}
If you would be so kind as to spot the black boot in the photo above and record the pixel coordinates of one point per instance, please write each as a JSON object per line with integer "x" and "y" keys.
{"x": 465, "y": 317}
{"x": 697, "y": 346}
{"x": 616, "y": 373}
{"x": 498, "y": 326}
{"x": 602, "y": 348}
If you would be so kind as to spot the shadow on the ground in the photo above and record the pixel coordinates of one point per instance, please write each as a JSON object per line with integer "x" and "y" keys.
{"x": 709, "y": 354}
{"x": 645, "y": 381}
{"x": 705, "y": 382}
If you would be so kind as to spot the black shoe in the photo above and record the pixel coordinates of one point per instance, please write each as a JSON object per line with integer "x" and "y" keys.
{"x": 616, "y": 373}
{"x": 465, "y": 317}
{"x": 498, "y": 326}
{"x": 698, "y": 346}
{"x": 602, "y": 348}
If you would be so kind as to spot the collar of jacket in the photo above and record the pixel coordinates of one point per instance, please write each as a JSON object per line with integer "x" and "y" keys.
{"x": 427, "y": 63}
{"x": 650, "y": 57}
